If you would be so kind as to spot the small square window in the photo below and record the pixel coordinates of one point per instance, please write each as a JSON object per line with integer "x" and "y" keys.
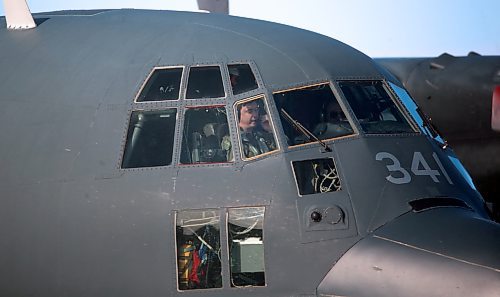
{"x": 205, "y": 82}
{"x": 316, "y": 176}
{"x": 242, "y": 78}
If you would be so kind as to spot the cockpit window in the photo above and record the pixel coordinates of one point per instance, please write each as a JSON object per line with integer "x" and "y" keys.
{"x": 373, "y": 106}
{"x": 150, "y": 139}
{"x": 205, "y": 82}
{"x": 257, "y": 135}
{"x": 163, "y": 84}
{"x": 242, "y": 78}
{"x": 198, "y": 249}
{"x": 246, "y": 246}
{"x": 419, "y": 117}
{"x": 206, "y": 136}
{"x": 312, "y": 110}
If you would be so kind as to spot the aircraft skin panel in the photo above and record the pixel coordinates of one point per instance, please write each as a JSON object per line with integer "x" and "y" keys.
{"x": 456, "y": 93}
{"x": 388, "y": 267}
{"x": 76, "y": 222}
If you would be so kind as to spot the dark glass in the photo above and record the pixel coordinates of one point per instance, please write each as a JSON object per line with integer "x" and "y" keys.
{"x": 205, "y": 82}
{"x": 316, "y": 176}
{"x": 164, "y": 84}
{"x": 150, "y": 139}
{"x": 373, "y": 106}
{"x": 314, "y": 108}
{"x": 206, "y": 136}
{"x": 242, "y": 78}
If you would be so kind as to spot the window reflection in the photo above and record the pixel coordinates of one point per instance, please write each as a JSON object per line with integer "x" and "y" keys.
{"x": 256, "y": 133}
{"x": 206, "y": 136}
{"x": 314, "y": 108}
{"x": 150, "y": 139}
{"x": 164, "y": 84}
{"x": 198, "y": 249}
{"x": 205, "y": 82}
{"x": 246, "y": 246}
{"x": 418, "y": 116}
{"x": 242, "y": 78}
{"x": 374, "y": 108}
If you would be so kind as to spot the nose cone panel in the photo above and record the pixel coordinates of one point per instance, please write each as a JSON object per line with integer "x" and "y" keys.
{"x": 422, "y": 264}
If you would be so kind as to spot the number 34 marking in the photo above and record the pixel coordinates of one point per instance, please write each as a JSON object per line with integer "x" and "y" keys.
{"x": 419, "y": 166}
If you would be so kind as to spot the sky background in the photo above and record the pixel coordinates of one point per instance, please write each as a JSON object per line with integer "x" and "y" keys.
{"x": 382, "y": 28}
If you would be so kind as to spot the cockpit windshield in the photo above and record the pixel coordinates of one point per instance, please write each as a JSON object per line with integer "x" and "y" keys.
{"x": 375, "y": 110}
{"x": 316, "y": 110}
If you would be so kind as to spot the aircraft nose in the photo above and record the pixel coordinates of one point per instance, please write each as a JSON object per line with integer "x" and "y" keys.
{"x": 406, "y": 258}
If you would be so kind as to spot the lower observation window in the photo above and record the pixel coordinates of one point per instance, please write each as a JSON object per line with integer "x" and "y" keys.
{"x": 246, "y": 246}
{"x": 198, "y": 249}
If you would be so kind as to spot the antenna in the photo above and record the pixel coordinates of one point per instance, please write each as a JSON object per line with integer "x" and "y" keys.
{"x": 18, "y": 15}
{"x": 214, "y": 6}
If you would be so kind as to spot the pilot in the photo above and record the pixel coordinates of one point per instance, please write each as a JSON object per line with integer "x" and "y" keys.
{"x": 265, "y": 123}
{"x": 234, "y": 76}
{"x": 255, "y": 139}
{"x": 334, "y": 122}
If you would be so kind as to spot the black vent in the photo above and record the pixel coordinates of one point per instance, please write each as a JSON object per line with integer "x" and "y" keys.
{"x": 426, "y": 203}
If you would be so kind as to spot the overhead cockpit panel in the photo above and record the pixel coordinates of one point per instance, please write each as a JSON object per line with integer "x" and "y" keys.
{"x": 163, "y": 84}
{"x": 242, "y": 78}
{"x": 205, "y": 82}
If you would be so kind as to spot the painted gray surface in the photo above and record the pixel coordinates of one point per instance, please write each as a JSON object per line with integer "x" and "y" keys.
{"x": 428, "y": 252}
{"x": 74, "y": 224}
{"x": 456, "y": 92}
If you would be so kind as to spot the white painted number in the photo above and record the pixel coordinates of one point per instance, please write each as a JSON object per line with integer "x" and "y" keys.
{"x": 419, "y": 167}
{"x": 418, "y": 160}
{"x": 402, "y": 175}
